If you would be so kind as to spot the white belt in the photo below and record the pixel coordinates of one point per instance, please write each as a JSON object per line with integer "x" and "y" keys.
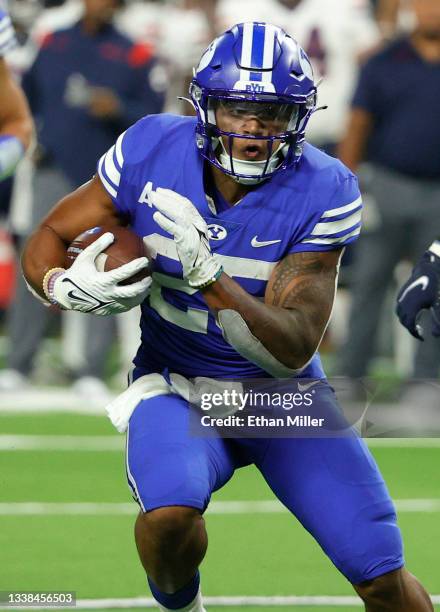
{"x": 122, "y": 407}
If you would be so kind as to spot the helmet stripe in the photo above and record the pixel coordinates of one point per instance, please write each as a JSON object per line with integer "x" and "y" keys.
{"x": 258, "y": 42}
{"x": 246, "y": 50}
{"x": 269, "y": 44}
{"x": 257, "y": 52}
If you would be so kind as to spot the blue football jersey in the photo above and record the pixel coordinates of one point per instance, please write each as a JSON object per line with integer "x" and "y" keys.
{"x": 7, "y": 35}
{"x": 314, "y": 207}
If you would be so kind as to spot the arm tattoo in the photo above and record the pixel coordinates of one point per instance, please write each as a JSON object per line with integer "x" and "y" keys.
{"x": 293, "y": 276}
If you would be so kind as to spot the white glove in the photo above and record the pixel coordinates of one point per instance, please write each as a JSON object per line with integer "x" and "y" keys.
{"x": 82, "y": 287}
{"x": 179, "y": 217}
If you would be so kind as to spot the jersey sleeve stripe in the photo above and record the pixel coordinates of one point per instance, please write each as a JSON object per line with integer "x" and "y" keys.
{"x": 104, "y": 180}
{"x": 335, "y": 212}
{"x": 118, "y": 151}
{"x": 4, "y": 49}
{"x": 340, "y": 240}
{"x": 113, "y": 174}
{"x": 334, "y": 227}
{"x": 5, "y": 22}
{"x": 341, "y": 216}
{"x": 7, "y": 39}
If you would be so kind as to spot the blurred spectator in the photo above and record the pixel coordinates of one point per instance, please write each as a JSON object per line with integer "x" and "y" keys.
{"x": 395, "y": 126}
{"x": 394, "y": 17}
{"x": 179, "y": 32}
{"x": 334, "y": 34}
{"x": 87, "y": 84}
{"x": 387, "y": 14}
{"x": 184, "y": 35}
{"x": 56, "y": 18}
{"x": 230, "y": 12}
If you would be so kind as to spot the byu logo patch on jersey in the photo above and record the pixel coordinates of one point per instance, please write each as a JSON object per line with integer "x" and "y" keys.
{"x": 216, "y": 232}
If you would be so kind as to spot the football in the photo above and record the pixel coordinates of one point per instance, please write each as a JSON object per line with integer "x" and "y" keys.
{"x": 126, "y": 247}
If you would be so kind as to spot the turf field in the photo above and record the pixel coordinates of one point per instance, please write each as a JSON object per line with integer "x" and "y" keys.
{"x": 66, "y": 522}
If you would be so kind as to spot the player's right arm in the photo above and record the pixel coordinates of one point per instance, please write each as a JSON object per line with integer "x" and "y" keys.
{"x": 44, "y": 256}
{"x": 82, "y": 209}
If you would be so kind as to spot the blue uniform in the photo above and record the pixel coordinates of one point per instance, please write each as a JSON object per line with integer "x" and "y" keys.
{"x": 315, "y": 207}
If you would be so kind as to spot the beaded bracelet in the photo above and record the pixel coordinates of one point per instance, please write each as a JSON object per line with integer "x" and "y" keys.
{"x": 49, "y": 281}
{"x": 213, "y": 279}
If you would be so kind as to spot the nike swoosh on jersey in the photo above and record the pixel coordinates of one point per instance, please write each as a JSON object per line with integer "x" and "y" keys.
{"x": 423, "y": 281}
{"x": 302, "y": 388}
{"x": 256, "y": 243}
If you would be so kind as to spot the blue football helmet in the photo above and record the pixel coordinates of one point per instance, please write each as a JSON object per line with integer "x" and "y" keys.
{"x": 258, "y": 70}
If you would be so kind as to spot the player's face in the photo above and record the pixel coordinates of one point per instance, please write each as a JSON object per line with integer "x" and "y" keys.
{"x": 253, "y": 119}
{"x": 427, "y": 14}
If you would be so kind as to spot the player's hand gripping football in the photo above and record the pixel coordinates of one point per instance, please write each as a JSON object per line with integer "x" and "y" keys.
{"x": 82, "y": 287}
{"x": 179, "y": 217}
{"x": 421, "y": 291}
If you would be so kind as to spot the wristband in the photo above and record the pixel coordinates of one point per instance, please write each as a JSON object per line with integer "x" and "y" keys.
{"x": 49, "y": 281}
{"x": 212, "y": 280}
{"x": 435, "y": 248}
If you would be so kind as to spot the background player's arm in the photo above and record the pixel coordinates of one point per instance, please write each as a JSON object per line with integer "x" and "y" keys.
{"x": 296, "y": 309}
{"x": 87, "y": 207}
{"x": 15, "y": 118}
{"x": 16, "y": 126}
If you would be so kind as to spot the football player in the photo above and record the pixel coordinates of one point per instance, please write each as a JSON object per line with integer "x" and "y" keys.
{"x": 15, "y": 119}
{"x": 422, "y": 292}
{"x": 248, "y": 223}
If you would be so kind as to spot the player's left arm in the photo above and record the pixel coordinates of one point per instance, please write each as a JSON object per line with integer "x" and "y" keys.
{"x": 282, "y": 333}
{"x": 297, "y": 306}
{"x": 16, "y": 126}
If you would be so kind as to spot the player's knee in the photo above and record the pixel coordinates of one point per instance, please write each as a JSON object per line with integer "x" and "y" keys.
{"x": 374, "y": 545}
{"x": 382, "y": 591}
{"x": 170, "y": 526}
